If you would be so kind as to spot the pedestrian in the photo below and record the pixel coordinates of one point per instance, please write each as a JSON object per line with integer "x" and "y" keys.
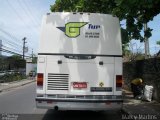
{"x": 137, "y": 87}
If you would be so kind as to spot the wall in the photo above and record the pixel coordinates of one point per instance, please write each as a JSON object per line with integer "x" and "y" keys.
{"x": 30, "y": 67}
{"x": 148, "y": 70}
{"x": 0, "y": 47}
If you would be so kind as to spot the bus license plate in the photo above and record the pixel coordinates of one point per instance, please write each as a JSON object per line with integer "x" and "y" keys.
{"x": 79, "y": 85}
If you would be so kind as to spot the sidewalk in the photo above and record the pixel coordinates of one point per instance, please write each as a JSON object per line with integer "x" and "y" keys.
{"x": 140, "y": 110}
{"x": 10, "y": 85}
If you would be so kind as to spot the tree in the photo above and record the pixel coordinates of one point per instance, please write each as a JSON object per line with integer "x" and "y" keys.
{"x": 125, "y": 40}
{"x": 15, "y": 62}
{"x": 125, "y": 49}
{"x": 16, "y": 57}
{"x": 135, "y": 12}
{"x": 158, "y": 42}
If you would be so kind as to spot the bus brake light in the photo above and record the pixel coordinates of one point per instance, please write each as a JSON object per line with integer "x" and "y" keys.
{"x": 40, "y": 79}
{"x": 118, "y": 80}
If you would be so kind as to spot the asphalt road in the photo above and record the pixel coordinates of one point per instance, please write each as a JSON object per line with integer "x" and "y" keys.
{"x": 19, "y": 104}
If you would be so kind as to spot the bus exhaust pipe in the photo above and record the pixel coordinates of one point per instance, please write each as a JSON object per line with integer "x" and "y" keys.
{"x": 56, "y": 108}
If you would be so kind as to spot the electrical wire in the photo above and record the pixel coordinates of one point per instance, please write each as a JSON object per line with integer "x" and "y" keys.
{"x": 27, "y": 12}
{"x": 20, "y": 17}
{"x": 10, "y": 43}
{"x": 11, "y": 49}
{"x": 11, "y": 36}
{"x": 38, "y": 19}
{"x": 11, "y": 52}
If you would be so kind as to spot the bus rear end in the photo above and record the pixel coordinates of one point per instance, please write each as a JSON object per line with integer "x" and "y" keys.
{"x": 79, "y": 62}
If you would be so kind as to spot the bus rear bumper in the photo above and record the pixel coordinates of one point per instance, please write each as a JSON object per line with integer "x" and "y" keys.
{"x": 78, "y": 104}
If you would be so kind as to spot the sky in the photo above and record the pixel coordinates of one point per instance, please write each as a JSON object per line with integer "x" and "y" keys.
{"x": 22, "y": 18}
{"x": 19, "y": 19}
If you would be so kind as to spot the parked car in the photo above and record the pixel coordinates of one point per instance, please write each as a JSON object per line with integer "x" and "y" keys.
{"x": 2, "y": 73}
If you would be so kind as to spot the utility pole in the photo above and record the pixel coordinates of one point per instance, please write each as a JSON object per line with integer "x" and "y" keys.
{"x": 32, "y": 54}
{"x": 146, "y": 43}
{"x": 24, "y": 42}
{"x": 0, "y": 47}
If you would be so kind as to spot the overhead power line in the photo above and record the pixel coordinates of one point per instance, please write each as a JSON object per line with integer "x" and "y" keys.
{"x": 30, "y": 3}
{"x": 20, "y": 17}
{"x": 27, "y": 12}
{"x": 11, "y": 52}
{"x": 31, "y": 12}
{"x": 8, "y": 51}
{"x": 11, "y": 49}
{"x": 10, "y": 43}
{"x": 11, "y": 36}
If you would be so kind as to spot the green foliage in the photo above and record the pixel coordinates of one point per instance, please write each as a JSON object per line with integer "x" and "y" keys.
{"x": 19, "y": 63}
{"x": 11, "y": 77}
{"x": 126, "y": 51}
{"x": 67, "y": 5}
{"x": 3, "y": 64}
{"x": 125, "y": 37}
{"x": 34, "y": 60}
{"x": 158, "y": 42}
{"x": 15, "y": 62}
{"x": 135, "y": 12}
{"x": 139, "y": 56}
{"x": 82, "y": 6}
{"x": 16, "y": 57}
{"x": 12, "y": 62}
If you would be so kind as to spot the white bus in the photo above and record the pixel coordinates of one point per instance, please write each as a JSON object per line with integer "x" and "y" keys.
{"x": 79, "y": 62}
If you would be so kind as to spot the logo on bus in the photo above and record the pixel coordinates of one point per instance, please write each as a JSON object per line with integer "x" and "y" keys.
{"x": 72, "y": 29}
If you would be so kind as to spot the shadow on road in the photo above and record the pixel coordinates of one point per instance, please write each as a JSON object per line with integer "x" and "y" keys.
{"x": 74, "y": 115}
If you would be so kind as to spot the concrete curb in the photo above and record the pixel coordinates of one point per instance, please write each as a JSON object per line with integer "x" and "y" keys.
{"x": 18, "y": 85}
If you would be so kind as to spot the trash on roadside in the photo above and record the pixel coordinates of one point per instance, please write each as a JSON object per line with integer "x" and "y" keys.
{"x": 148, "y": 91}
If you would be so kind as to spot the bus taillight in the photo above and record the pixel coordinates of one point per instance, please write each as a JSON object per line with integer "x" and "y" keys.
{"x": 118, "y": 81}
{"x": 40, "y": 79}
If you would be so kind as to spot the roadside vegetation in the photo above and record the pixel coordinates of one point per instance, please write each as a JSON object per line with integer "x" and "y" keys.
{"x": 11, "y": 77}
{"x": 12, "y": 68}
